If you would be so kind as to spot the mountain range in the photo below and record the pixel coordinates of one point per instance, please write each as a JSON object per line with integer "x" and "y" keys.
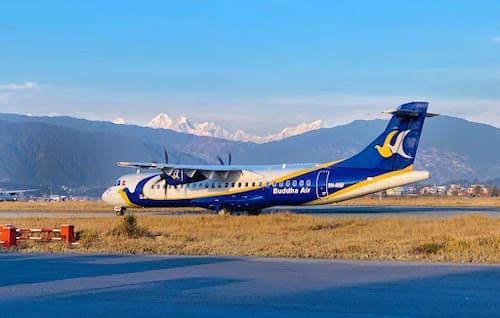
{"x": 79, "y": 156}
{"x": 209, "y": 129}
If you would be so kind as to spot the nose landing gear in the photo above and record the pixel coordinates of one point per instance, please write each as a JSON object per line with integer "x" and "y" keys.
{"x": 120, "y": 210}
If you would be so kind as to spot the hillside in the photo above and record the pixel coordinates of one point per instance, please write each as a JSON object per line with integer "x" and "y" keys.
{"x": 80, "y": 154}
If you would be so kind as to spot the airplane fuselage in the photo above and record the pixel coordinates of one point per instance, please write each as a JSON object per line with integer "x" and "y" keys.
{"x": 267, "y": 186}
{"x": 5, "y": 196}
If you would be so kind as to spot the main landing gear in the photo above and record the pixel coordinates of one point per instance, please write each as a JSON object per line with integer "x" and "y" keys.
{"x": 226, "y": 211}
{"x": 120, "y": 210}
{"x": 223, "y": 211}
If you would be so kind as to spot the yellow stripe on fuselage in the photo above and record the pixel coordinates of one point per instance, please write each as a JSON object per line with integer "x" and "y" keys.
{"x": 362, "y": 184}
{"x": 126, "y": 199}
{"x": 246, "y": 189}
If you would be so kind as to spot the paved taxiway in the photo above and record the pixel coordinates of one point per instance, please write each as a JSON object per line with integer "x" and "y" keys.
{"x": 135, "y": 285}
{"x": 319, "y": 211}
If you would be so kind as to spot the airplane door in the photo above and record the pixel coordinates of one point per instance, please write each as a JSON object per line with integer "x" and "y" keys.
{"x": 322, "y": 183}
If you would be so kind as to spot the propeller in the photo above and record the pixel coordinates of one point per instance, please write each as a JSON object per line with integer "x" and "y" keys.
{"x": 163, "y": 175}
{"x": 229, "y": 158}
{"x": 165, "y": 153}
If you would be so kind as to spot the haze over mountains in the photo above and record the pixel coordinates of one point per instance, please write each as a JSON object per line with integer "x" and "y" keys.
{"x": 79, "y": 155}
{"x": 210, "y": 129}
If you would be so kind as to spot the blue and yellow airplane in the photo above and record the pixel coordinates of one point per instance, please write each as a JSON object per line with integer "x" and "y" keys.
{"x": 385, "y": 163}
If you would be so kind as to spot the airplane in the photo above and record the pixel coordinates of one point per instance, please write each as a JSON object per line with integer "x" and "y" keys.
{"x": 12, "y": 195}
{"x": 385, "y": 163}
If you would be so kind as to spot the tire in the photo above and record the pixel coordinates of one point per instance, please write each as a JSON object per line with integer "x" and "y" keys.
{"x": 223, "y": 211}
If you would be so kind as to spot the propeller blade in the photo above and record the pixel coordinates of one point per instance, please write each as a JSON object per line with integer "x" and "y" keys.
{"x": 166, "y": 155}
{"x": 220, "y": 160}
{"x": 166, "y": 186}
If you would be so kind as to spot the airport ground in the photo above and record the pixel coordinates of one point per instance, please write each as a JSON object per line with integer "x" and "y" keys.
{"x": 279, "y": 264}
{"x": 49, "y": 285}
{"x": 461, "y": 238}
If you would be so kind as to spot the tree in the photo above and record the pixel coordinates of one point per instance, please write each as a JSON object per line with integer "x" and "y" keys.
{"x": 477, "y": 190}
{"x": 494, "y": 191}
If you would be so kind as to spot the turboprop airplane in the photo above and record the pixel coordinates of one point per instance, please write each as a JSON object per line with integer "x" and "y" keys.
{"x": 385, "y": 163}
{"x": 12, "y": 195}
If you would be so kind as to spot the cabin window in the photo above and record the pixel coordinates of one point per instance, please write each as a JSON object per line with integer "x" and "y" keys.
{"x": 158, "y": 187}
{"x": 308, "y": 182}
{"x": 287, "y": 183}
{"x": 206, "y": 185}
{"x": 226, "y": 185}
{"x": 232, "y": 185}
{"x": 260, "y": 184}
{"x": 294, "y": 183}
{"x": 239, "y": 184}
{"x": 253, "y": 184}
{"x": 246, "y": 184}
{"x": 213, "y": 185}
{"x": 175, "y": 186}
{"x": 301, "y": 183}
{"x": 152, "y": 187}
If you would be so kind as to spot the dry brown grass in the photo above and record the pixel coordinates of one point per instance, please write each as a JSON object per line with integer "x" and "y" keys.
{"x": 471, "y": 238}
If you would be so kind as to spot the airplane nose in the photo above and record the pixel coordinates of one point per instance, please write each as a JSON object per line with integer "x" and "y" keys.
{"x": 107, "y": 196}
{"x": 112, "y": 197}
{"x": 104, "y": 195}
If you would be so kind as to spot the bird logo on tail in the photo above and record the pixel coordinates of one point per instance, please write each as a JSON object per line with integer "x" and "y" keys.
{"x": 388, "y": 149}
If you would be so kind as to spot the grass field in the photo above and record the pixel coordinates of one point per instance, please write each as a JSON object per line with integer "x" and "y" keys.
{"x": 471, "y": 238}
{"x": 463, "y": 239}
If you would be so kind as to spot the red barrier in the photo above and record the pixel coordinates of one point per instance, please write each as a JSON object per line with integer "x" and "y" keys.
{"x": 68, "y": 233}
{"x": 9, "y": 234}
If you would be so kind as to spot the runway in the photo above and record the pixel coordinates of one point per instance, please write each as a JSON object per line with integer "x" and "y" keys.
{"x": 160, "y": 286}
{"x": 319, "y": 211}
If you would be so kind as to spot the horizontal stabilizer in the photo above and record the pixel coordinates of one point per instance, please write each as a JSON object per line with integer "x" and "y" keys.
{"x": 407, "y": 113}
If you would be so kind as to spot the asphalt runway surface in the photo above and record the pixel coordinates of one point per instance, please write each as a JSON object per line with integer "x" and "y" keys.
{"x": 163, "y": 286}
{"x": 319, "y": 211}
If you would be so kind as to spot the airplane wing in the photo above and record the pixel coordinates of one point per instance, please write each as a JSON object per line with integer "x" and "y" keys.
{"x": 209, "y": 171}
{"x": 12, "y": 192}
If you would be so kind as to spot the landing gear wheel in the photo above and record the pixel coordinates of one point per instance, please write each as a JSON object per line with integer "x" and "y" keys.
{"x": 120, "y": 211}
{"x": 254, "y": 212}
{"x": 223, "y": 211}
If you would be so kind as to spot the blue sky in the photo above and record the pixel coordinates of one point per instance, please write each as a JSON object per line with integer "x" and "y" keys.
{"x": 256, "y": 65}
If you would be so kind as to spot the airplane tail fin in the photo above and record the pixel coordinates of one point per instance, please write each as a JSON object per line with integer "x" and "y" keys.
{"x": 396, "y": 147}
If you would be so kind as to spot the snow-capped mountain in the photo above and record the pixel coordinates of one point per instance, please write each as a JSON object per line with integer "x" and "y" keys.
{"x": 161, "y": 121}
{"x": 119, "y": 121}
{"x": 211, "y": 129}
